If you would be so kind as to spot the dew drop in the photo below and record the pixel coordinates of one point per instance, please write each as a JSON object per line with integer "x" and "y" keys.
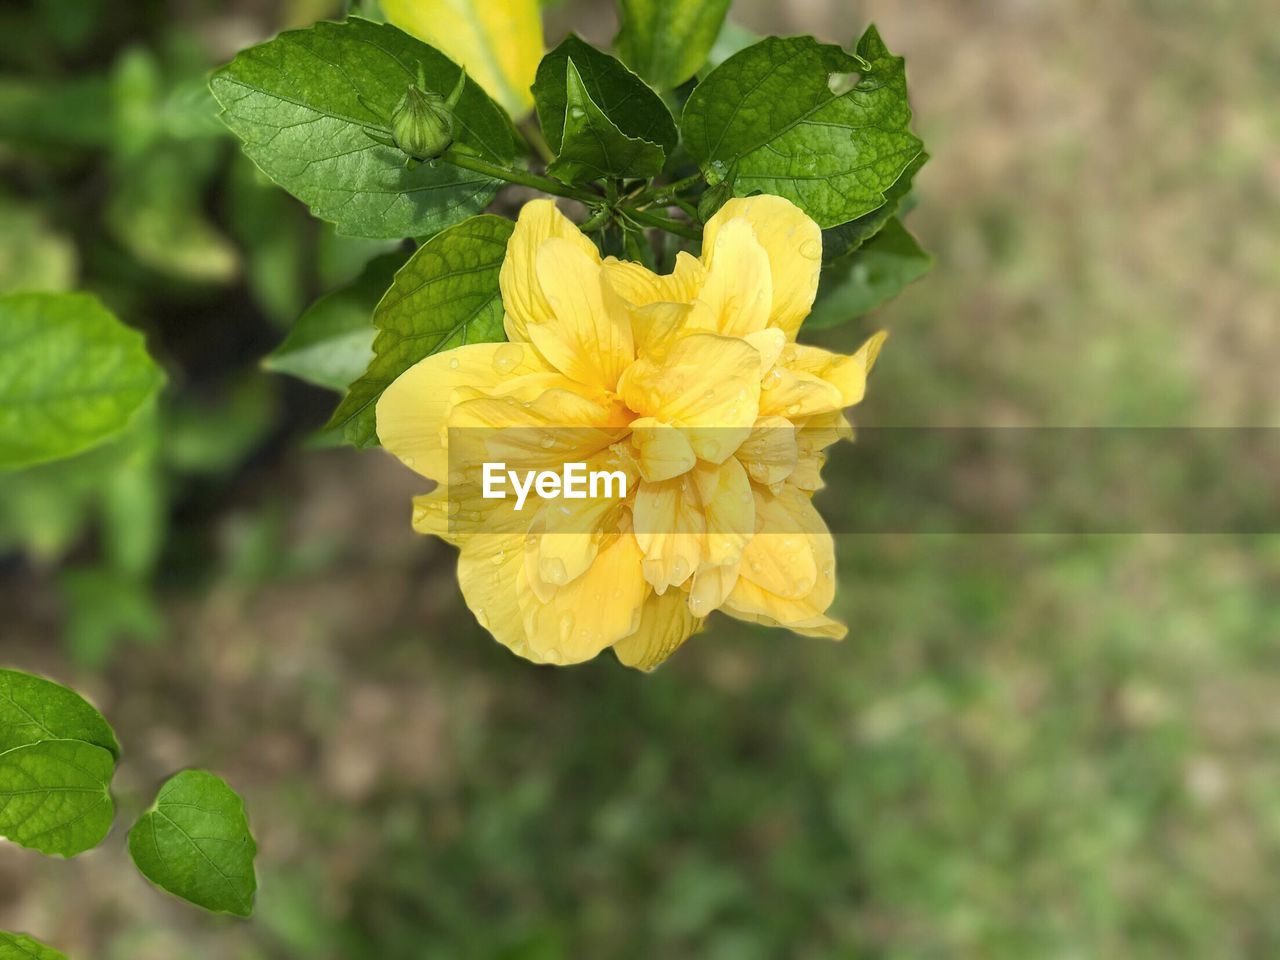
{"x": 547, "y": 443}
{"x": 454, "y": 363}
{"x": 811, "y": 249}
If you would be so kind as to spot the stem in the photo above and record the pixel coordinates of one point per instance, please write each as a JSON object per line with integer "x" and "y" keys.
{"x": 667, "y": 193}
{"x": 523, "y": 177}
{"x": 533, "y": 134}
{"x": 686, "y": 230}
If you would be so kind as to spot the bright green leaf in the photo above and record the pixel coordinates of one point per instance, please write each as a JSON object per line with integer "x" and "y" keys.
{"x": 195, "y": 843}
{"x": 33, "y": 709}
{"x": 445, "y": 296}
{"x": 71, "y": 375}
{"x": 806, "y": 121}
{"x": 620, "y": 95}
{"x": 593, "y": 147}
{"x": 667, "y": 41}
{"x": 304, "y": 104}
{"x": 332, "y": 342}
{"x": 875, "y": 273}
{"x": 840, "y": 241}
{"x": 55, "y": 795}
{"x": 17, "y": 946}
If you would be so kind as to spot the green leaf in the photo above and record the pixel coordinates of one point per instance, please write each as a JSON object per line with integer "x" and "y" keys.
{"x": 17, "y": 946}
{"x": 55, "y": 795}
{"x": 445, "y": 296}
{"x": 593, "y": 147}
{"x": 620, "y": 95}
{"x": 332, "y": 342}
{"x": 304, "y": 104}
{"x": 195, "y": 843}
{"x": 840, "y": 241}
{"x": 867, "y": 278}
{"x": 806, "y": 121}
{"x": 33, "y": 709}
{"x": 32, "y": 255}
{"x": 157, "y": 214}
{"x": 57, "y": 756}
{"x": 71, "y": 375}
{"x": 667, "y": 41}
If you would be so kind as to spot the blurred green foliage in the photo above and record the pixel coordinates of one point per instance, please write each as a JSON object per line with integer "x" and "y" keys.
{"x": 1029, "y": 747}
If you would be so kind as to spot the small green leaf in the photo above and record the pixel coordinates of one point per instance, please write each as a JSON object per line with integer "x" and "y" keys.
{"x": 17, "y": 946}
{"x": 620, "y": 95}
{"x": 33, "y": 709}
{"x": 806, "y": 121}
{"x": 593, "y": 147}
{"x": 667, "y": 41}
{"x": 445, "y": 296}
{"x": 55, "y": 796}
{"x": 841, "y": 241}
{"x": 304, "y": 106}
{"x": 71, "y": 375}
{"x": 874, "y": 274}
{"x": 332, "y": 342}
{"x": 195, "y": 843}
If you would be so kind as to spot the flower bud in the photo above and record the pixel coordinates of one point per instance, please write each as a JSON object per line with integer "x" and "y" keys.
{"x": 422, "y": 122}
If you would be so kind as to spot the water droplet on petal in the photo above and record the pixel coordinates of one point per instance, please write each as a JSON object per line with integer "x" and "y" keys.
{"x": 454, "y": 363}
{"x": 811, "y": 250}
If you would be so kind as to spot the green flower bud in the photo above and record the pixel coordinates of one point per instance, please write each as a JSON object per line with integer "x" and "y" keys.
{"x": 422, "y": 122}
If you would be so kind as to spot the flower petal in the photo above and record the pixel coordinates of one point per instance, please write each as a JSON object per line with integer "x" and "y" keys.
{"x": 592, "y": 612}
{"x": 706, "y": 381}
{"x": 522, "y": 297}
{"x": 738, "y": 287}
{"x": 588, "y": 337}
{"x": 412, "y": 411}
{"x": 770, "y": 452}
{"x": 487, "y": 569}
{"x": 640, "y": 286}
{"x": 669, "y": 529}
{"x": 500, "y": 44}
{"x": 662, "y": 451}
{"x": 665, "y": 624}
{"x": 793, "y": 243}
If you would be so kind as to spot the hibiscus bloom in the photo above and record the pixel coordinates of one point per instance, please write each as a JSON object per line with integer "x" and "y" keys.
{"x": 692, "y": 385}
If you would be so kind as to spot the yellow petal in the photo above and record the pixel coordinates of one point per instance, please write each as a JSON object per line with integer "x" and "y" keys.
{"x": 711, "y": 587}
{"x": 665, "y": 624}
{"x": 487, "y": 569}
{"x": 787, "y": 515}
{"x": 500, "y": 43}
{"x": 662, "y": 451}
{"x": 658, "y": 326}
{"x": 411, "y": 412}
{"x": 588, "y": 337}
{"x": 793, "y": 243}
{"x": 539, "y": 221}
{"x": 770, "y": 452}
{"x": 590, "y": 613}
{"x": 707, "y": 382}
{"x": 738, "y": 287}
{"x": 640, "y": 286}
{"x": 726, "y": 500}
{"x": 848, "y": 374}
{"x": 669, "y": 529}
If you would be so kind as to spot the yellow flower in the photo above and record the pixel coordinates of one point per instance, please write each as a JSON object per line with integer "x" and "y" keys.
{"x": 692, "y": 386}
{"x": 498, "y": 41}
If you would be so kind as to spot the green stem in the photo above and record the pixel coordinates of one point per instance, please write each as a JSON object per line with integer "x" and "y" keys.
{"x": 523, "y": 177}
{"x": 669, "y": 192}
{"x": 688, "y": 230}
{"x": 533, "y": 134}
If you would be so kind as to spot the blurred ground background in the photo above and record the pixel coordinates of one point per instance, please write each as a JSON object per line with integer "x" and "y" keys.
{"x": 1029, "y": 747}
